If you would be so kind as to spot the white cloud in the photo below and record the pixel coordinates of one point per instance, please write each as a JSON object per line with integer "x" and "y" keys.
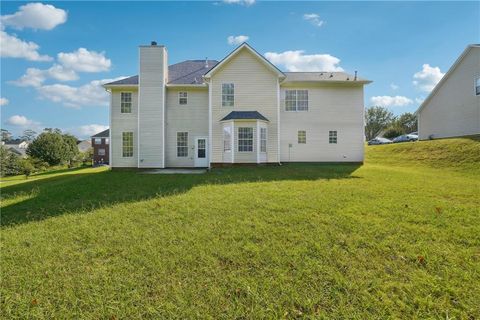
{"x": 35, "y": 77}
{"x": 32, "y": 78}
{"x": 394, "y": 86}
{"x": 83, "y": 60}
{"x": 19, "y": 121}
{"x": 389, "y": 101}
{"x": 426, "y": 79}
{"x": 298, "y": 61}
{"x": 90, "y": 129}
{"x": 13, "y": 47}
{"x": 314, "y": 19}
{"x": 3, "y": 101}
{"x": 420, "y": 100}
{"x": 35, "y": 16}
{"x": 90, "y": 94}
{"x": 236, "y": 40}
{"x": 242, "y": 2}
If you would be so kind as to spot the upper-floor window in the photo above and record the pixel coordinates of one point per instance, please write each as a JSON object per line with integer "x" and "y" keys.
{"x": 477, "y": 86}
{"x": 107, "y": 140}
{"x": 126, "y": 102}
{"x": 332, "y": 137}
{"x": 302, "y": 136}
{"x": 98, "y": 140}
{"x": 127, "y": 144}
{"x": 182, "y": 144}
{"x": 263, "y": 139}
{"x": 296, "y": 100}
{"x": 182, "y": 97}
{"x": 227, "y": 139}
{"x": 245, "y": 139}
{"x": 228, "y": 94}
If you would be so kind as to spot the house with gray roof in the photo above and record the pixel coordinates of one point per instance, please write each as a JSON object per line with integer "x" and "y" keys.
{"x": 241, "y": 109}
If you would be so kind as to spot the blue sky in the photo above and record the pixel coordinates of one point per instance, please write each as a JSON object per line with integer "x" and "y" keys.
{"x": 404, "y": 47}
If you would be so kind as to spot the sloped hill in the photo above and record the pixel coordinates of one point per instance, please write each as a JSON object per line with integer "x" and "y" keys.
{"x": 457, "y": 153}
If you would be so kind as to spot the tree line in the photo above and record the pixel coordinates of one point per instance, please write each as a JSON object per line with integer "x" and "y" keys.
{"x": 49, "y": 149}
{"x": 381, "y": 121}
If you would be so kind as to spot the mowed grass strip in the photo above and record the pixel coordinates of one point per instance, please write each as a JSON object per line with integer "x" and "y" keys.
{"x": 382, "y": 240}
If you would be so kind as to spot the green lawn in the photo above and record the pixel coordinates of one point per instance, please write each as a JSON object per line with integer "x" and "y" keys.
{"x": 398, "y": 237}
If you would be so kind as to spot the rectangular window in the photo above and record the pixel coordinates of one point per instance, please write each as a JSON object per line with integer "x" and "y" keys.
{"x": 182, "y": 98}
{"x": 263, "y": 139}
{"x": 127, "y": 144}
{"x": 227, "y": 139}
{"x": 182, "y": 144}
{"x": 302, "y": 136}
{"x": 101, "y": 152}
{"x": 107, "y": 140}
{"x": 296, "y": 100}
{"x": 228, "y": 94}
{"x": 126, "y": 102}
{"x": 245, "y": 139}
{"x": 332, "y": 136}
{"x": 477, "y": 86}
{"x": 98, "y": 140}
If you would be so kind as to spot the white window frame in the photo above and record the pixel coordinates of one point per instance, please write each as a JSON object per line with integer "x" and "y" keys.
{"x": 227, "y": 139}
{"x": 476, "y": 86}
{"x": 228, "y": 94}
{"x": 127, "y": 148}
{"x": 183, "y": 98}
{"x": 97, "y": 140}
{"x": 333, "y": 137}
{"x": 107, "y": 140}
{"x": 100, "y": 153}
{"x": 240, "y": 140}
{"x": 302, "y": 139}
{"x": 125, "y": 103}
{"x": 183, "y": 145}
{"x": 296, "y": 101}
{"x": 263, "y": 139}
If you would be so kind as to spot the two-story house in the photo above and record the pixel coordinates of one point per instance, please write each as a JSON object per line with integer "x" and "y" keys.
{"x": 101, "y": 147}
{"x": 243, "y": 109}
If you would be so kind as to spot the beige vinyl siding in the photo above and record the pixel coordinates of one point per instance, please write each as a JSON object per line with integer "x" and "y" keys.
{"x": 255, "y": 90}
{"x": 330, "y": 108}
{"x": 151, "y": 100}
{"x": 454, "y": 110}
{"x": 191, "y": 117}
{"x": 123, "y": 122}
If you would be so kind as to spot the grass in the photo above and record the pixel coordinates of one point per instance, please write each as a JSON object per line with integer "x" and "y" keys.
{"x": 398, "y": 237}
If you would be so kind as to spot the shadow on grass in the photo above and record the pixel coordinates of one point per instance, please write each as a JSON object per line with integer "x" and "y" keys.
{"x": 83, "y": 192}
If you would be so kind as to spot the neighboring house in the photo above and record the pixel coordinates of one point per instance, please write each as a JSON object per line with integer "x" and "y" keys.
{"x": 453, "y": 107}
{"x": 243, "y": 109}
{"x": 101, "y": 147}
{"x": 84, "y": 145}
{"x": 17, "y": 146}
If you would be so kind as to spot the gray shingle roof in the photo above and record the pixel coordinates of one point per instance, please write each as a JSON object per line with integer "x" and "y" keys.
{"x": 320, "y": 76}
{"x": 244, "y": 115}
{"x": 103, "y": 134}
{"x": 186, "y": 72}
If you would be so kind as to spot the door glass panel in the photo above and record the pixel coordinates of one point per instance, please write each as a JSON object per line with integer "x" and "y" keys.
{"x": 201, "y": 152}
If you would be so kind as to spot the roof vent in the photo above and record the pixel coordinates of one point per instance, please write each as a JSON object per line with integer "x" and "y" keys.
{"x": 153, "y": 43}
{"x": 206, "y": 62}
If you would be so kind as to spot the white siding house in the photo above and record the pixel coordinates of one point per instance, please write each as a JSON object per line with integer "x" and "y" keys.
{"x": 453, "y": 107}
{"x": 243, "y": 109}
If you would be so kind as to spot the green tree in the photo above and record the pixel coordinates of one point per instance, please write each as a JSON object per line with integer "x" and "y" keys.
{"x": 407, "y": 121}
{"x": 26, "y": 167}
{"x": 54, "y": 148}
{"x": 6, "y": 135}
{"x": 393, "y": 132}
{"x": 376, "y": 120}
{"x": 28, "y": 135}
{"x": 9, "y": 162}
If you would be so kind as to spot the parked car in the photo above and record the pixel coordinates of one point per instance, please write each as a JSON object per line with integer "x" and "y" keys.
{"x": 405, "y": 138}
{"x": 378, "y": 140}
